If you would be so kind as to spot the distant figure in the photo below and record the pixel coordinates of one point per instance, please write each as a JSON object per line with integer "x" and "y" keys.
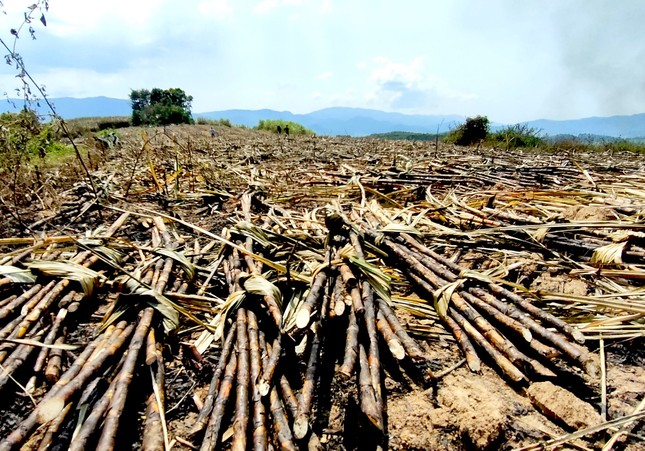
{"x": 279, "y": 130}
{"x": 286, "y": 130}
{"x": 212, "y": 132}
{"x": 114, "y": 139}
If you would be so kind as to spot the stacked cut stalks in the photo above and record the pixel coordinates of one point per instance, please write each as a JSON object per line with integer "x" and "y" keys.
{"x": 478, "y": 310}
{"x": 247, "y": 362}
{"x": 83, "y": 406}
{"x": 261, "y": 350}
{"x": 490, "y": 217}
{"x": 29, "y": 316}
{"x": 77, "y": 202}
{"x": 342, "y": 287}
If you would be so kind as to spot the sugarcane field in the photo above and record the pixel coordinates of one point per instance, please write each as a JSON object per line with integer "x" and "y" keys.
{"x": 239, "y": 289}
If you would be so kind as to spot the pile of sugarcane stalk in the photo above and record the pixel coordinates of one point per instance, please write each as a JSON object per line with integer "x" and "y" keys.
{"x": 82, "y": 407}
{"x": 247, "y": 360}
{"x": 285, "y": 407}
{"x": 476, "y": 309}
{"x": 75, "y": 204}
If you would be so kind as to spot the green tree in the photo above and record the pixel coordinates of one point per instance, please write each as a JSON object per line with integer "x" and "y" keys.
{"x": 160, "y": 106}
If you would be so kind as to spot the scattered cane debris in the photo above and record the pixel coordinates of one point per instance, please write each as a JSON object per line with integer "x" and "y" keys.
{"x": 295, "y": 295}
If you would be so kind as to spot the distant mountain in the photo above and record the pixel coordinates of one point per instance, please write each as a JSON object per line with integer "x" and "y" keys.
{"x": 344, "y": 121}
{"x": 352, "y": 121}
{"x": 617, "y": 126}
{"x": 70, "y": 108}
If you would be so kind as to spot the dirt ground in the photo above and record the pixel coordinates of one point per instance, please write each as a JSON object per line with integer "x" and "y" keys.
{"x": 461, "y": 409}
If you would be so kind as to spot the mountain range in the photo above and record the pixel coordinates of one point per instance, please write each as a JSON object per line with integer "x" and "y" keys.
{"x": 350, "y": 121}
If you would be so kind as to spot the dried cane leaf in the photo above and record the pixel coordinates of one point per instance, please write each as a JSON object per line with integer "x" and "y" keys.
{"x": 232, "y": 302}
{"x": 256, "y": 284}
{"x": 540, "y": 234}
{"x": 17, "y": 275}
{"x": 400, "y": 228}
{"x": 27, "y": 341}
{"x": 187, "y": 266}
{"x": 168, "y": 309}
{"x": 379, "y": 281}
{"x": 442, "y": 297}
{"x": 609, "y": 254}
{"x": 250, "y": 230}
{"x": 88, "y": 278}
{"x": 109, "y": 254}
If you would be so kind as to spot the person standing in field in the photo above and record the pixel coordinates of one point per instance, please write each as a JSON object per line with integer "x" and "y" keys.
{"x": 212, "y": 132}
{"x": 286, "y": 130}
{"x": 279, "y": 130}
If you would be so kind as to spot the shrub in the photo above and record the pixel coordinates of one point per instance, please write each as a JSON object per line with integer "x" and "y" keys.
{"x": 271, "y": 125}
{"x": 113, "y": 122}
{"x": 518, "y": 135}
{"x": 85, "y": 125}
{"x": 223, "y": 122}
{"x": 474, "y": 130}
{"x": 21, "y": 134}
{"x": 624, "y": 145}
{"x": 23, "y": 137}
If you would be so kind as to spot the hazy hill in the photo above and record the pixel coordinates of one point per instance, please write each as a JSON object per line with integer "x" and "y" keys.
{"x": 618, "y": 126}
{"x": 343, "y": 121}
{"x": 352, "y": 121}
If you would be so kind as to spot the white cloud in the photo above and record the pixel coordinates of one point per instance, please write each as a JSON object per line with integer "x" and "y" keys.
{"x": 409, "y": 87}
{"x": 215, "y": 8}
{"x": 266, "y": 6}
{"x": 325, "y": 75}
{"x": 388, "y": 70}
{"x": 326, "y": 7}
{"x": 78, "y": 18}
{"x": 62, "y": 82}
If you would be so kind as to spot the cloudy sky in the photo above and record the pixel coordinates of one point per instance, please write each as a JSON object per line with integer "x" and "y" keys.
{"x": 511, "y": 60}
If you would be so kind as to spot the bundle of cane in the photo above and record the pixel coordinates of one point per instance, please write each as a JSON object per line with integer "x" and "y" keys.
{"x": 29, "y": 315}
{"x": 350, "y": 281}
{"x": 469, "y": 303}
{"x": 245, "y": 364}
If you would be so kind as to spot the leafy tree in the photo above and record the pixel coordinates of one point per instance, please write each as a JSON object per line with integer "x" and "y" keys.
{"x": 160, "y": 106}
{"x": 474, "y": 130}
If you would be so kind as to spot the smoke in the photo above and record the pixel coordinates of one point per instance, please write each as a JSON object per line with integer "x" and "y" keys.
{"x": 601, "y": 52}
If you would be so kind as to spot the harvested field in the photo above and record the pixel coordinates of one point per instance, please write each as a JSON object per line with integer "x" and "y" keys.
{"x": 253, "y": 291}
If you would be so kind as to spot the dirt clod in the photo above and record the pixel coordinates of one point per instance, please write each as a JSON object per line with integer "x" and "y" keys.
{"x": 563, "y": 406}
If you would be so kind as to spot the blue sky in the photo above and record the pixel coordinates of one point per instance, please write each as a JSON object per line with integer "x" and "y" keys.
{"x": 511, "y": 60}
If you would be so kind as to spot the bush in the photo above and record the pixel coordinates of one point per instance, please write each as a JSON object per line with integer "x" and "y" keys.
{"x": 85, "y": 125}
{"x": 271, "y": 125}
{"x": 624, "y": 145}
{"x": 518, "y": 135}
{"x": 222, "y": 122}
{"x": 113, "y": 122}
{"x": 474, "y": 130}
{"x": 22, "y": 134}
{"x": 23, "y": 137}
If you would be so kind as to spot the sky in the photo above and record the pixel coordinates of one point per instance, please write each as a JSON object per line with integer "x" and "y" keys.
{"x": 511, "y": 60}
